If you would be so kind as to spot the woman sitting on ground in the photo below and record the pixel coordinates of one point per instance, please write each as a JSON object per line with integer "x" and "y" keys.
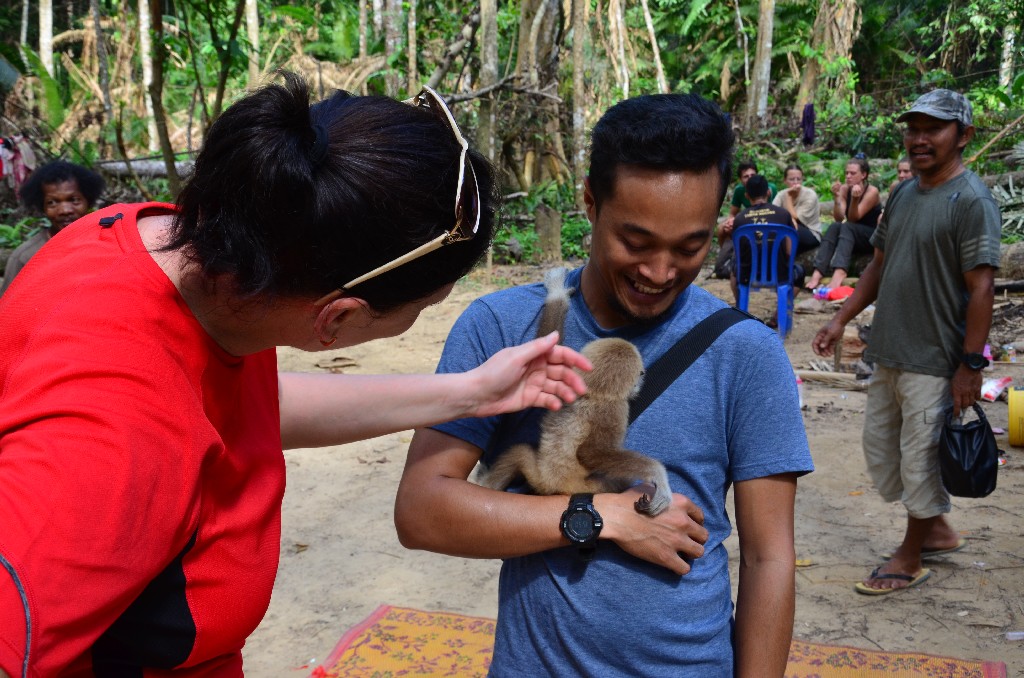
{"x": 856, "y": 209}
{"x": 803, "y": 206}
{"x": 142, "y": 414}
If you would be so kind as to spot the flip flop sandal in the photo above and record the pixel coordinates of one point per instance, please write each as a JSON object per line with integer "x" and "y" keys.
{"x": 932, "y": 553}
{"x": 912, "y": 581}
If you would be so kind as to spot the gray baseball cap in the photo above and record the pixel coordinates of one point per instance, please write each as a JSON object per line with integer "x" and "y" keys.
{"x": 943, "y": 104}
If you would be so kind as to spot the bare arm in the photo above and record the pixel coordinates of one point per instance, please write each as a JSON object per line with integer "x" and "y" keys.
{"x": 839, "y": 196}
{"x": 331, "y": 409}
{"x": 966, "y": 383}
{"x": 438, "y": 509}
{"x": 863, "y": 295}
{"x": 862, "y": 201}
{"x": 766, "y": 598}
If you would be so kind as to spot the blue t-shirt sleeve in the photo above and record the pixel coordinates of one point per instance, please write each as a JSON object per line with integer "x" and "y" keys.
{"x": 474, "y": 338}
{"x": 766, "y": 429}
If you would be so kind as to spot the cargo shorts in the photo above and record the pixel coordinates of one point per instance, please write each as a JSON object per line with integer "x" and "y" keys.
{"x": 902, "y": 422}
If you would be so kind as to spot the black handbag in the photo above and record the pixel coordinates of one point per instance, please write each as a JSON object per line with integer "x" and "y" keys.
{"x": 968, "y": 456}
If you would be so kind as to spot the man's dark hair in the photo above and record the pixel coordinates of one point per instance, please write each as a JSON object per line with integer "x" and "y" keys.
{"x": 757, "y": 187}
{"x": 744, "y": 166}
{"x": 90, "y": 184}
{"x": 263, "y": 208}
{"x": 670, "y": 132}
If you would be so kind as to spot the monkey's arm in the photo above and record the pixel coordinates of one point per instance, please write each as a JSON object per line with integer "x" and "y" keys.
{"x": 438, "y": 509}
{"x": 766, "y": 598}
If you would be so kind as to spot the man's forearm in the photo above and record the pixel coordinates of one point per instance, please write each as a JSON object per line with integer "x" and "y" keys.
{"x": 979, "y": 318}
{"x": 765, "y": 607}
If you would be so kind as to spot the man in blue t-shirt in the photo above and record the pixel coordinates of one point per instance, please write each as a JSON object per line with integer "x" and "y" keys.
{"x": 655, "y": 597}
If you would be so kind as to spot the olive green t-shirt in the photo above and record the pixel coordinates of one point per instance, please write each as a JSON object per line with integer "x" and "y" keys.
{"x": 930, "y": 237}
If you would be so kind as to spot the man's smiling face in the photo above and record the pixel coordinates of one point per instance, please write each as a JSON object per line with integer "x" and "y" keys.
{"x": 650, "y": 239}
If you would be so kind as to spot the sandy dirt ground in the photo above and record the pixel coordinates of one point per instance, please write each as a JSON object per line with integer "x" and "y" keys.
{"x": 340, "y": 558}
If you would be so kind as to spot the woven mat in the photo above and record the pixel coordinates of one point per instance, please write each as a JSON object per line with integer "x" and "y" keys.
{"x": 401, "y": 641}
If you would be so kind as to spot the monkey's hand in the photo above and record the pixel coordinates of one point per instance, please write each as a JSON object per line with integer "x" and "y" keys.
{"x": 656, "y": 498}
{"x": 665, "y": 539}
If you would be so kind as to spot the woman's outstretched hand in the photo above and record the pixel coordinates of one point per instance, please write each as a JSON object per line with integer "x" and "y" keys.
{"x": 539, "y": 373}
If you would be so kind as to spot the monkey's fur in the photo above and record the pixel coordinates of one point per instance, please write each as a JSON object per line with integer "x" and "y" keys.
{"x": 581, "y": 445}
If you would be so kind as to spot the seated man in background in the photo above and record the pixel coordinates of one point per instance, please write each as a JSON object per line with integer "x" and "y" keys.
{"x": 740, "y": 200}
{"x": 762, "y": 212}
{"x": 62, "y": 192}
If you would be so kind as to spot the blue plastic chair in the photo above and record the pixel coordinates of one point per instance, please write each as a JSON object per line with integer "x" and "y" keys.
{"x": 769, "y": 266}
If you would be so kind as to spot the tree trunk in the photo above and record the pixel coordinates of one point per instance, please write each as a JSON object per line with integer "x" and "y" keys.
{"x": 24, "y": 25}
{"x": 414, "y": 76}
{"x": 146, "y": 58}
{"x": 252, "y": 29}
{"x": 101, "y": 61}
{"x": 392, "y": 41}
{"x": 617, "y": 32}
{"x": 488, "y": 75}
{"x": 757, "y": 95}
{"x": 741, "y": 41}
{"x": 454, "y": 49}
{"x": 156, "y": 95}
{"x": 836, "y": 27}
{"x": 662, "y": 83}
{"x": 1009, "y": 41}
{"x": 46, "y": 35}
{"x": 362, "y": 28}
{"x": 378, "y": 16}
{"x": 579, "y": 100}
{"x": 224, "y": 55}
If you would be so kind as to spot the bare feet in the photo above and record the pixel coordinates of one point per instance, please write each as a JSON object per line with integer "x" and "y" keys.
{"x": 814, "y": 280}
{"x": 838, "y": 276}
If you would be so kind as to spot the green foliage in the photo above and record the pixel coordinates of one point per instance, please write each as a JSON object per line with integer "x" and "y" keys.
{"x": 55, "y": 111}
{"x": 12, "y": 235}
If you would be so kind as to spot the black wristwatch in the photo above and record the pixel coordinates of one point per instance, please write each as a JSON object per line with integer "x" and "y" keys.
{"x": 975, "y": 361}
{"x": 581, "y": 524}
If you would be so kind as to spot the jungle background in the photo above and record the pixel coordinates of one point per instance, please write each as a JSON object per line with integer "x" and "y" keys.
{"x": 130, "y": 87}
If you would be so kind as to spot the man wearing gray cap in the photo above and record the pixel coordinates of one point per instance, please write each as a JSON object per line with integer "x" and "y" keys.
{"x": 936, "y": 251}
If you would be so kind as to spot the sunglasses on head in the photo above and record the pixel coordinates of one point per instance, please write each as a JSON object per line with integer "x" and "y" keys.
{"x": 467, "y": 198}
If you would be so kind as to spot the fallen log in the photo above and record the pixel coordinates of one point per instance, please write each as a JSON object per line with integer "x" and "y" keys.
{"x": 149, "y": 168}
{"x": 1002, "y": 285}
{"x": 844, "y": 380}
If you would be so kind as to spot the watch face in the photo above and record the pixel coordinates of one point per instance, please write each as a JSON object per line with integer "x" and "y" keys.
{"x": 579, "y": 526}
{"x": 976, "y": 361}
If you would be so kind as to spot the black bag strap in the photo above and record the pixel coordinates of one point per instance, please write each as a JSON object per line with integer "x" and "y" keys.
{"x": 677, "y": 359}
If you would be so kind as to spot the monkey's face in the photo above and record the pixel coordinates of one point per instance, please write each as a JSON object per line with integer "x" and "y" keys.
{"x": 618, "y": 369}
{"x": 650, "y": 239}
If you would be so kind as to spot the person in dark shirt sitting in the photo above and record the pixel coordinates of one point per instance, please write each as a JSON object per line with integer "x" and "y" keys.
{"x": 761, "y": 211}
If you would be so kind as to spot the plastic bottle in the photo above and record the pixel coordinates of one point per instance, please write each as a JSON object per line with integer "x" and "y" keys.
{"x": 800, "y": 391}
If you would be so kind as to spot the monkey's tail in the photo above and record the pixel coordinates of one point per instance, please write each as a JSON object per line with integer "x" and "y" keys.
{"x": 556, "y": 303}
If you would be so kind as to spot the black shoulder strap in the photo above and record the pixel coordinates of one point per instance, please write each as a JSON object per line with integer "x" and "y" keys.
{"x": 677, "y": 359}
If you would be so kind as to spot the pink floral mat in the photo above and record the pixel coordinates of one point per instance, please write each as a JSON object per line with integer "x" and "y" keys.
{"x": 397, "y": 641}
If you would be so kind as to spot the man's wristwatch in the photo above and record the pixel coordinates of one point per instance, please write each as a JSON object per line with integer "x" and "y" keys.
{"x": 581, "y": 524}
{"x": 975, "y": 361}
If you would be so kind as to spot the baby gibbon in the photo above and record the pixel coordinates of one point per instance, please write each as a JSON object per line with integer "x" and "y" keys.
{"x": 581, "y": 445}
